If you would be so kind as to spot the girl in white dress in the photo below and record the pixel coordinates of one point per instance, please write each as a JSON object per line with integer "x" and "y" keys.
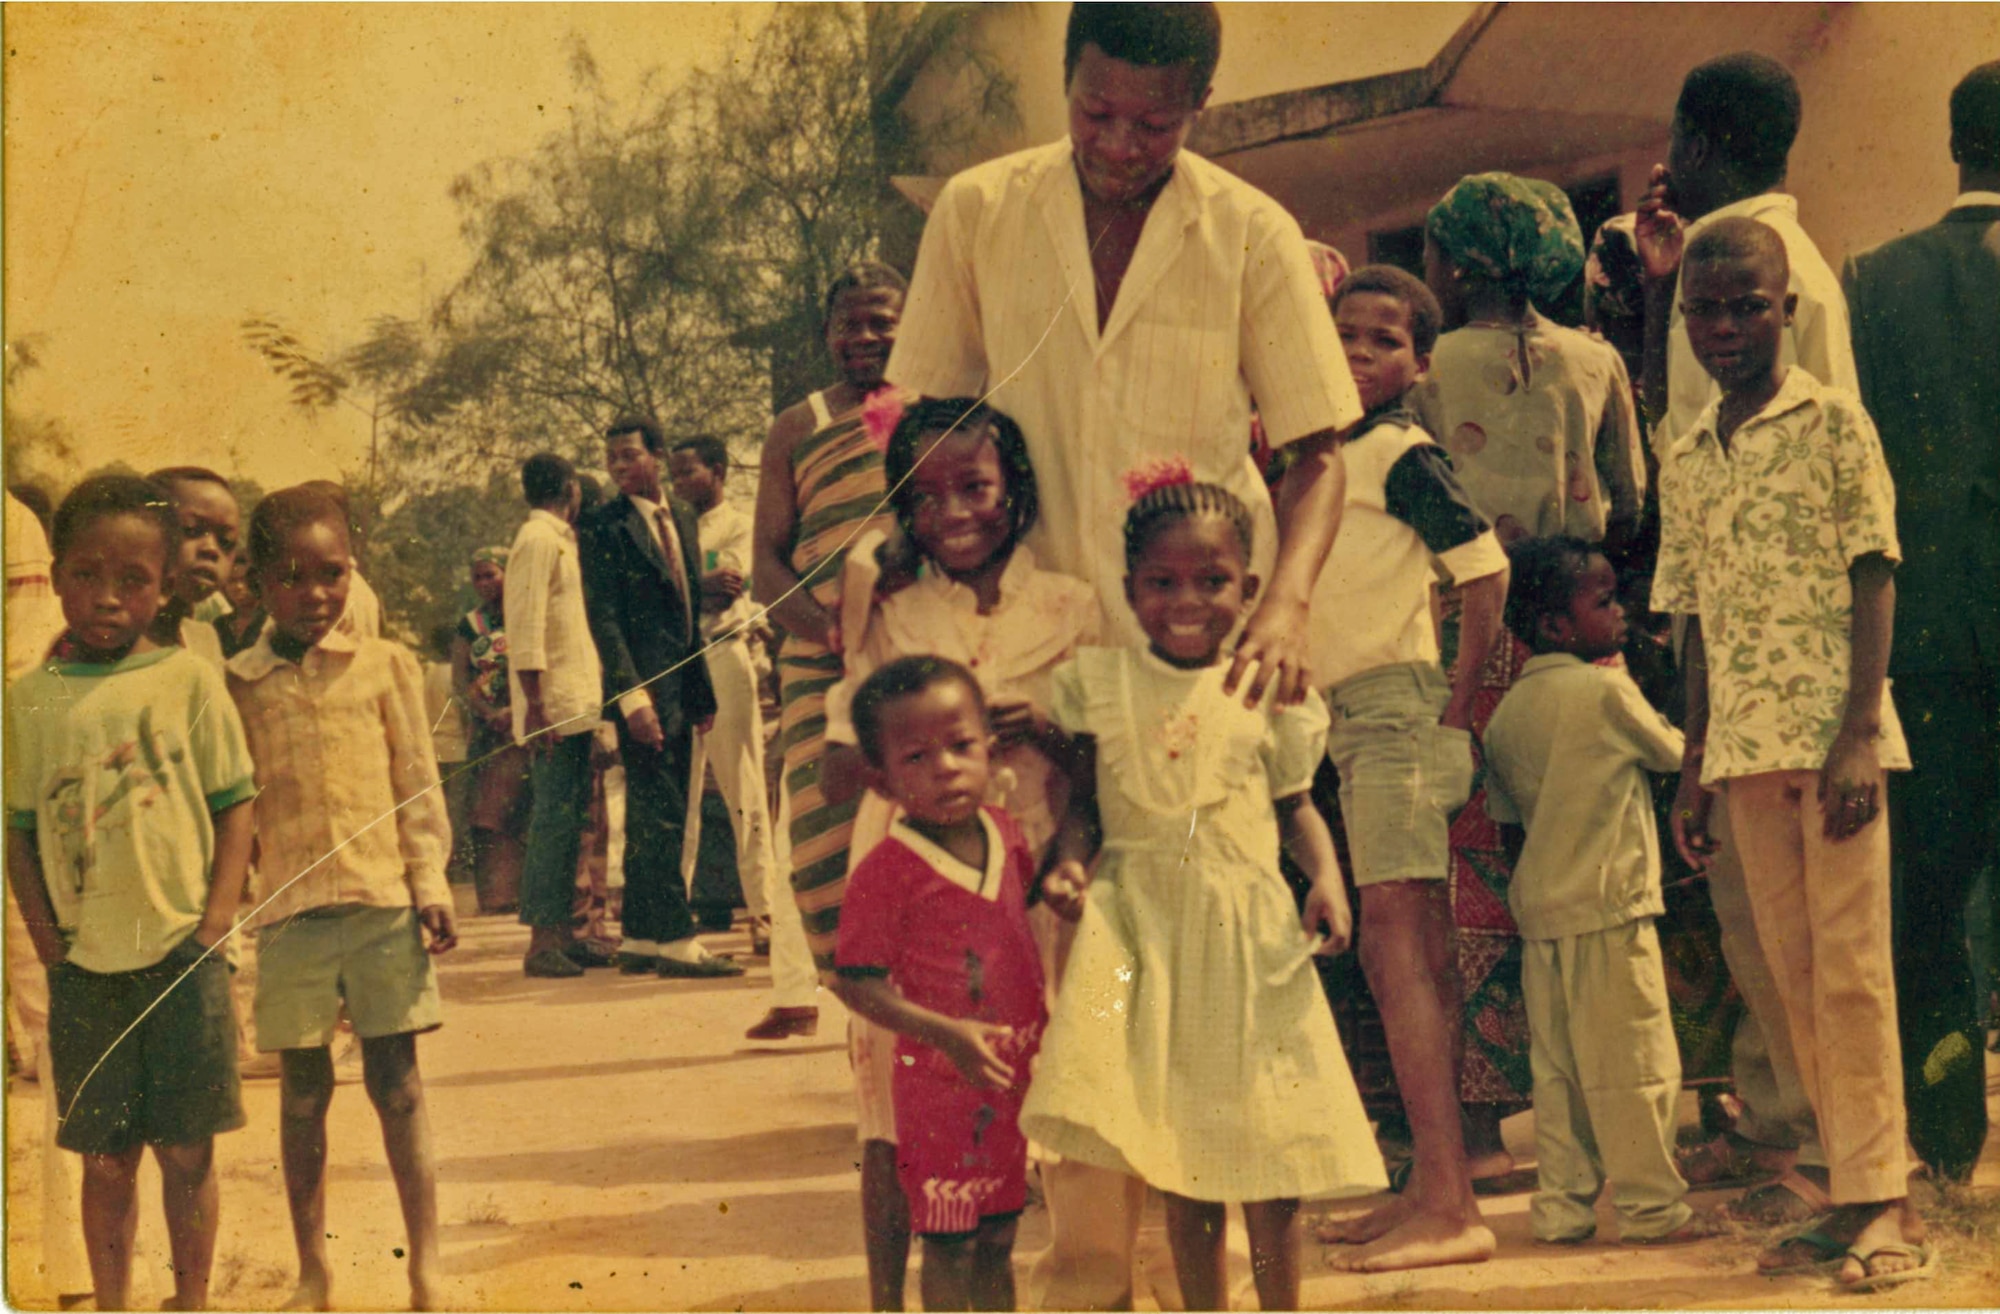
{"x": 1191, "y": 1044}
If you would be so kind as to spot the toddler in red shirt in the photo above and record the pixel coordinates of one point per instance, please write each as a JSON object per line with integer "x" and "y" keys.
{"x": 934, "y": 945}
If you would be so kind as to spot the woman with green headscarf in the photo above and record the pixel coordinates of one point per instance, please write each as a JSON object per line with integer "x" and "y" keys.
{"x": 1540, "y": 425}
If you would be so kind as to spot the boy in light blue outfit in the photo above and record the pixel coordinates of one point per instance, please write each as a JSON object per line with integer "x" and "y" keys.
{"x": 1568, "y": 750}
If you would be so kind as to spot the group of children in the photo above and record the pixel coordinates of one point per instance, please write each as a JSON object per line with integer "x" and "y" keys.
{"x": 140, "y": 771}
{"x": 1066, "y": 921}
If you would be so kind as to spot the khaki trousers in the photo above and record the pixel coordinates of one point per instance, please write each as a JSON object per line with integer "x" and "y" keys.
{"x": 1822, "y": 911}
{"x": 1607, "y": 1077}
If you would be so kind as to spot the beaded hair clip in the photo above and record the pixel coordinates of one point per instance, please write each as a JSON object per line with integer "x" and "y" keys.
{"x": 1159, "y": 472}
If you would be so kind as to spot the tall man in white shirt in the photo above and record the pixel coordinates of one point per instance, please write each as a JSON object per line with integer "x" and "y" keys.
{"x": 555, "y": 681}
{"x": 1732, "y": 137}
{"x": 697, "y": 468}
{"x": 1126, "y": 302}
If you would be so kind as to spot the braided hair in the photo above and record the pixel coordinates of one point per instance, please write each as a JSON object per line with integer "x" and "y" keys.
{"x": 1169, "y": 504}
{"x": 975, "y": 419}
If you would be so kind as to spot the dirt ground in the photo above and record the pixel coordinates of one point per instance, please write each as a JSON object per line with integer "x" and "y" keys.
{"x": 613, "y": 1144}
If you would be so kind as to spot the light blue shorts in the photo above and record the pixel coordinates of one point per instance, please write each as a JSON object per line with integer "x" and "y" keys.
{"x": 370, "y": 959}
{"x": 1402, "y": 775}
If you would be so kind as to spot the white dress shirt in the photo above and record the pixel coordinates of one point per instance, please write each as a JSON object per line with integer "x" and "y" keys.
{"x": 1219, "y": 306}
{"x": 725, "y": 532}
{"x": 548, "y": 629}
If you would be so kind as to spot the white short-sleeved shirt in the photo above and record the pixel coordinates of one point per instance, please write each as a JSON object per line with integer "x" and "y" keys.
{"x": 116, "y": 772}
{"x": 1817, "y": 340}
{"x": 1220, "y": 306}
{"x": 1567, "y": 753}
{"x": 725, "y": 531}
{"x": 1757, "y": 541}
{"x": 1406, "y": 521}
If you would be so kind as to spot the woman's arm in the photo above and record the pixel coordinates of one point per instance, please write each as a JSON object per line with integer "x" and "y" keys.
{"x": 773, "y": 582}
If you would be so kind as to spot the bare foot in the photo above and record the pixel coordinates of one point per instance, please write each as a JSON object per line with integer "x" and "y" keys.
{"x": 1424, "y": 1240}
{"x": 314, "y": 1292}
{"x": 1363, "y": 1228}
{"x": 425, "y": 1294}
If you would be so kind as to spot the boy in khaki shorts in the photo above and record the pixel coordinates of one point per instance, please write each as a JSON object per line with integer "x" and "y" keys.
{"x": 354, "y": 842}
{"x": 1402, "y": 744}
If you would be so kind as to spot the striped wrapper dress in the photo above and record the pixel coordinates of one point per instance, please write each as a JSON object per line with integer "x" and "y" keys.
{"x": 837, "y": 473}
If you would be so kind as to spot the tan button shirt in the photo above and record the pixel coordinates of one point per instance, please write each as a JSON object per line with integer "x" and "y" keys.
{"x": 348, "y": 809}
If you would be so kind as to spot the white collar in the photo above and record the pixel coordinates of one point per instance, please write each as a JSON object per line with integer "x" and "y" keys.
{"x": 1014, "y": 577}
{"x": 542, "y": 515}
{"x": 260, "y": 659}
{"x": 1976, "y": 198}
{"x": 985, "y": 884}
{"x": 1797, "y": 390}
{"x": 1750, "y": 207}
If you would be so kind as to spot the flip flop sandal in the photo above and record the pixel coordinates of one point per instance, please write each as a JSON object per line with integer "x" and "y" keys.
{"x": 1813, "y": 1202}
{"x": 1827, "y": 1252}
{"x": 1923, "y": 1253}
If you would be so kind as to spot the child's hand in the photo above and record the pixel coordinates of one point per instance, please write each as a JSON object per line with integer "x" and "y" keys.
{"x": 1063, "y": 890}
{"x": 1327, "y": 918}
{"x": 971, "y": 1047}
{"x": 1657, "y": 232}
{"x": 442, "y": 926}
{"x": 1850, "y": 785}
{"x": 1690, "y": 821}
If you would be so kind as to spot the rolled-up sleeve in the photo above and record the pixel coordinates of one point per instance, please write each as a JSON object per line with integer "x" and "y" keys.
{"x": 1291, "y": 356}
{"x": 940, "y": 347}
{"x": 423, "y": 829}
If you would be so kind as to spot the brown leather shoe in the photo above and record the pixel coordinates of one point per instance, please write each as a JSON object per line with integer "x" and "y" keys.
{"x": 784, "y": 1023}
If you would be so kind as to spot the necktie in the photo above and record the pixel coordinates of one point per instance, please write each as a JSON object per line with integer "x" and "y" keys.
{"x": 670, "y": 546}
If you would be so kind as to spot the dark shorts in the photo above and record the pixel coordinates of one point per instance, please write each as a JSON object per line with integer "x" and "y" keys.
{"x": 172, "y": 1081}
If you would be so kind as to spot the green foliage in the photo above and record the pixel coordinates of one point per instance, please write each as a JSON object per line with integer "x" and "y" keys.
{"x": 670, "y": 257}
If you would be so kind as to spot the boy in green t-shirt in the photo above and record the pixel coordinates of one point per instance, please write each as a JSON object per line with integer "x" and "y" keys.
{"x": 128, "y": 836}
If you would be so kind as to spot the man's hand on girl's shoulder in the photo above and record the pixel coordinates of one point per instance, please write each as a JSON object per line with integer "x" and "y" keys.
{"x": 440, "y": 926}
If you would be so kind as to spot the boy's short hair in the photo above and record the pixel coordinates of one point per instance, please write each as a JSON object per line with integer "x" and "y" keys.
{"x": 863, "y": 276}
{"x": 1151, "y": 35}
{"x": 1746, "y": 106}
{"x": 1975, "y": 117}
{"x": 645, "y": 426}
{"x": 106, "y": 495}
{"x": 545, "y": 479}
{"x": 1426, "y": 316}
{"x": 969, "y": 415}
{"x": 193, "y": 474}
{"x": 284, "y": 511}
{"x": 902, "y": 678}
{"x": 1739, "y": 237}
{"x": 1543, "y": 578}
{"x": 708, "y": 449}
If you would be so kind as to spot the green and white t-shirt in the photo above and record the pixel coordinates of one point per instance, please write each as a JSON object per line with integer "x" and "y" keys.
{"x": 116, "y": 770}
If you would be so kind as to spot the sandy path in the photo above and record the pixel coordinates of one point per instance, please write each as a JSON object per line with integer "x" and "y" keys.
{"x": 613, "y": 1144}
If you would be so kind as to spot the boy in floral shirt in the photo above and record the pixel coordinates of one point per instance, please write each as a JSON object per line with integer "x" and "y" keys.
{"x": 1778, "y": 538}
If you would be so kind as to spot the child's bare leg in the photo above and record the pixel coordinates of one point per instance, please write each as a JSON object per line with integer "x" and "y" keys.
{"x": 1196, "y": 1230}
{"x": 111, "y": 1223}
{"x": 945, "y": 1281}
{"x": 192, "y": 1202}
{"x": 1406, "y": 953}
{"x": 993, "y": 1264}
{"x": 305, "y": 1091}
{"x": 885, "y": 1225}
{"x": 389, "y": 1069}
{"x": 1274, "y": 1251}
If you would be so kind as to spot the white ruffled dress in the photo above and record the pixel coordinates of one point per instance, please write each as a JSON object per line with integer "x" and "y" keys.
{"x": 1191, "y": 1044}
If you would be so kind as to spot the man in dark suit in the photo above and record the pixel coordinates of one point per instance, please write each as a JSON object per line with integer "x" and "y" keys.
{"x": 639, "y": 556}
{"x": 1926, "y": 313}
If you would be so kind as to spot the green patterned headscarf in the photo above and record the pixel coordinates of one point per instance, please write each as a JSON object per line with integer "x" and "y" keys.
{"x": 1518, "y": 232}
{"x": 495, "y": 555}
